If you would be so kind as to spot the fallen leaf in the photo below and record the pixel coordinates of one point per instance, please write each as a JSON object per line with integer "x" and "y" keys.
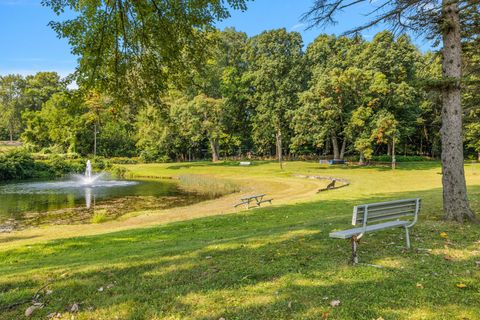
{"x": 54, "y": 315}
{"x": 380, "y": 318}
{"x": 461, "y": 285}
{"x": 477, "y": 263}
{"x": 208, "y": 257}
{"x": 448, "y": 258}
{"x": 325, "y": 315}
{"x": 100, "y": 289}
{"x": 48, "y": 292}
{"x": 222, "y": 318}
{"x": 335, "y": 303}
{"x": 443, "y": 235}
{"x": 74, "y": 307}
{"x": 111, "y": 285}
{"x": 289, "y": 304}
{"x": 30, "y": 310}
{"x": 419, "y": 285}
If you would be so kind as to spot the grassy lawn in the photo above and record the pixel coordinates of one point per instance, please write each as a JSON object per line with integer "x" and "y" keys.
{"x": 275, "y": 262}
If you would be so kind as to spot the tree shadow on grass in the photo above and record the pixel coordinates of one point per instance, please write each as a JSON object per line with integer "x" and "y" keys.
{"x": 272, "y": 263}
{"x": 186, "y": 165}
{"x": 403, "y": 166}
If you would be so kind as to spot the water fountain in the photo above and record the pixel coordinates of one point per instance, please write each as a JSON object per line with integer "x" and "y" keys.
{"x": 73, "y": 198}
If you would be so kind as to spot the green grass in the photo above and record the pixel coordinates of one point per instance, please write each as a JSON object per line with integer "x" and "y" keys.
{"x": 275, "y": 262}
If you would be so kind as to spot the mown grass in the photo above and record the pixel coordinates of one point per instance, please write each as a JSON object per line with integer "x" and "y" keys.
{"x": 270, "y": 263}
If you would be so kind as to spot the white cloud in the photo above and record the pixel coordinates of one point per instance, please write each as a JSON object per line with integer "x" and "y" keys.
{"x": 298, "y": 26}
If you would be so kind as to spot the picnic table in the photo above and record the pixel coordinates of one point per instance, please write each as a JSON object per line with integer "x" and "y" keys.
{"x": 254, "y": 199}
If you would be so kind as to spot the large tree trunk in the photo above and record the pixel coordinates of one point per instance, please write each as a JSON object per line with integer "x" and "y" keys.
{"x": 455, "y": 200}
{"x": 342, "y": 150}
{"x": 214, "y": 147}
{"x": 336, "y": 153}
{"x": 394, "y": 160}
{"x": 279, "y": 148}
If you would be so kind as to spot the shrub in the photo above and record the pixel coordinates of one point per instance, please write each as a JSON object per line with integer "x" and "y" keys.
{"x": 99, "y": 216}
{"x": 16, "y": 164}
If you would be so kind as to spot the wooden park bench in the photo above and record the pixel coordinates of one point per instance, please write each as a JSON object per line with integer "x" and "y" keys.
{"x": 378, "y": 216}
{"x": 255, "y": 199}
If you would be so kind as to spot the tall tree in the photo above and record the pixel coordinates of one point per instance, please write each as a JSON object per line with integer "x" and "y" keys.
{"x": 440, "y": 19}
{"x": 40, "y": 87}
{"x": 11, "y": 104}
{"x": 275, "y": 76}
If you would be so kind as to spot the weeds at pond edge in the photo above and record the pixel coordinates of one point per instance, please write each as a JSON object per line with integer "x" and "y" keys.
{"x": 207, "y": 185}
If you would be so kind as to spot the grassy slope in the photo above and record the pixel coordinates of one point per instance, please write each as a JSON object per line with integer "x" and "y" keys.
{"x": 271, "y": 263}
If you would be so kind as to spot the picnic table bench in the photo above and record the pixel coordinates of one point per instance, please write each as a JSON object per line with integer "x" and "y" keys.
{"x": 256, "y": 199}
{"x": 391, "y": 214}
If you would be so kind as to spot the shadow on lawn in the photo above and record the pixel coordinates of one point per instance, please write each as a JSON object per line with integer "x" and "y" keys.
{"x": 186, "y": 165}
{"x": 403, "y": 166}
{"x": 240, "y": 267}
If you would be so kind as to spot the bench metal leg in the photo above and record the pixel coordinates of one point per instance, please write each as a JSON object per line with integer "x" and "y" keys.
{"x": 407, "y": 236}
{"x": 355, "y": 241}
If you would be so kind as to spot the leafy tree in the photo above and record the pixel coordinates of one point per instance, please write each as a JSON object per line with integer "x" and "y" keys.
{"x": 439, "y": 20}
{"x": 11, "y": 106}
{"x": 54, "y": 124}
{"x": 40, "y": 87}
{"x": 205, "y": 117}
{"x": 129, "y": 47}
{"x": 327, "y": 107}
{"x": 275, "y": 76}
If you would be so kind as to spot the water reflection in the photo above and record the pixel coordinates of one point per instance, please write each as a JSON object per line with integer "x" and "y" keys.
{"x": 88, "y": 197}
{"x": 68, "y": 201}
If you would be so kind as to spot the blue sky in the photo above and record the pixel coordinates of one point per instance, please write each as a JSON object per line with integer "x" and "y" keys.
{"x": 28, "y": 45}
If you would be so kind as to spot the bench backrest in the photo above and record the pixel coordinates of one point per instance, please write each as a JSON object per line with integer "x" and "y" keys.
{"x": 385, "y": 211}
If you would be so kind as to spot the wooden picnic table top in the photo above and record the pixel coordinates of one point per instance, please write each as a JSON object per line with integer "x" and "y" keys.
{"x": 253, "y": 197}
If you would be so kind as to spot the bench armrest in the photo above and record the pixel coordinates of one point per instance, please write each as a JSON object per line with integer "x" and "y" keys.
{"x": 415, "y": 217}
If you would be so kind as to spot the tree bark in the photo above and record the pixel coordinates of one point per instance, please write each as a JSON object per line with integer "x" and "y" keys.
{"x": 361, "y": 160}
{"x": 10, "y": 131}
{"x": 336, "y": 153}
{"x": 455, "y": 200}
{"x": 342, "y": 150}
{"x": 394, "y": 161}
{"x": 214, "y": 147}
{"x": 95, "y": 139}
{"x": 279, "y": 148}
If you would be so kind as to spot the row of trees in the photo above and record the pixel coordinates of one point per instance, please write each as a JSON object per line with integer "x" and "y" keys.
{"x": 265, "y": 94}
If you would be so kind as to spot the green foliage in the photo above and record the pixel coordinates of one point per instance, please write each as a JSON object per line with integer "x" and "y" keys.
{"x": 11, "y": 104}
{"x": 275, "y": 75}
{"x": 17, "y": 164}
{"x": 99, "y": 216}
{"x": 134, "y": 49}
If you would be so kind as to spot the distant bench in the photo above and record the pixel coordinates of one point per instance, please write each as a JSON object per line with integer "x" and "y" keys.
{"x": 391, "y": 212}
{"x": 255, "y": 199}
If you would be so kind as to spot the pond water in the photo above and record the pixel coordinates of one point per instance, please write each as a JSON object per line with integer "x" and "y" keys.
{"x": 69, "y": 201}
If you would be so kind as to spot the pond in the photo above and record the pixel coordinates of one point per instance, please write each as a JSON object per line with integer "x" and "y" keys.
{"x": 70, "y": 201}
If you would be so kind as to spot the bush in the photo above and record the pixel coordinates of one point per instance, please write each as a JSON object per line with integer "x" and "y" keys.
{"x": 99, "y": 216}
{"x": 17, "y": 164}
{"x": 20, "y": 164}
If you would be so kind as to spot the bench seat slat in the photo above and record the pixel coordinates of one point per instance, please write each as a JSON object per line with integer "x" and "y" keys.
{"x": 346, "y": 234}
